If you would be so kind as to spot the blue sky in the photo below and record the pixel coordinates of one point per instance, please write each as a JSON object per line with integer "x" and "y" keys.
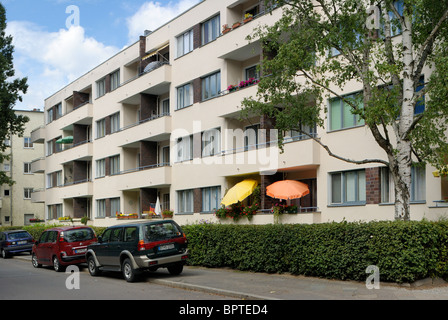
{"x": 52, "y": 53}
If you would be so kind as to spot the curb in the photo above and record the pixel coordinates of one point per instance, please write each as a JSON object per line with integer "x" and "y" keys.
{"x": 205, "y": 289}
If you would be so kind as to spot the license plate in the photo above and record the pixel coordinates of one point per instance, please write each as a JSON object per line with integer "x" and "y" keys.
{"x": 166, "y": 247}
{"x": 81, "y": 250}
{"x": 21, "y": 242}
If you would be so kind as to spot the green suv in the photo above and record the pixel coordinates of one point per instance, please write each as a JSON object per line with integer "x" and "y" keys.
{"x": 135, "y": 247}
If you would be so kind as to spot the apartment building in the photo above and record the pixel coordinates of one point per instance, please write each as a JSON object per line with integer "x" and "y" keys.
{"x": 17, "y": 207}
{"x": 160, "y": 120}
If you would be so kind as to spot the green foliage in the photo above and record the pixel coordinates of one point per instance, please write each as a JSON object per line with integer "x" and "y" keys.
{"x": 37, "y": 229}
{"x": 10, "y": 91}
{"x": 403, "y": 251}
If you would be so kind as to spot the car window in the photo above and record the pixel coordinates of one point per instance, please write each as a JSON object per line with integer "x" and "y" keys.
{"x": 52, "y": 236}
{"x": 18, "y": 235}
{"x": 161, "y": 231}
{"x": 116, "y": 234}
{"x": 78, "y": 235}
{"x": 43, "y": 237}
{"x": 130, "y": 234}
{"x": 106, "y": 235}
{"x": 2, "y": 236}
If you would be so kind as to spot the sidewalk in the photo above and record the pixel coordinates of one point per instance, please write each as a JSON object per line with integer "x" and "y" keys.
{"x": 262, "y": 286}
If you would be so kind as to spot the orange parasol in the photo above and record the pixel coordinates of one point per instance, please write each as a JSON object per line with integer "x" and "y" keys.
{"x": 287, "y": 189}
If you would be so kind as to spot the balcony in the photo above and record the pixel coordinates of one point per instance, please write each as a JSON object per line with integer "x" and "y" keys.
{"x": 82, "y": 115}
{"x": 38, "y": 196}
{"x": 38, "y": 165}
{"x": 38, "y": 135}
{"x": 229, "y": 105}
{"x": 154, "y": 176}
{"x": 154, "y": 129}
{"x": 155, "y": 82}
{"x": 79, "y": 152}
{"x": 77, "y": 189}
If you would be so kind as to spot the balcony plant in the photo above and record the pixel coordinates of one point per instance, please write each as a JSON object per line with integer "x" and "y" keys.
{"x": 232, "y": 88}
{"x": 236, "y": 25}
{"x": 226, "y": 28}
{"x": 167, "y": 214}
{"x": 127, "y": 216}
{"x": 248, "y": 17}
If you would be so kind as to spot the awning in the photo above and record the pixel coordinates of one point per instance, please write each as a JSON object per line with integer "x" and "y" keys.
{"x": 239, "y": 192}
{"x": 66, "y": 140}
{"x": 155, "y": 51}
{"x": 287, "y": 189}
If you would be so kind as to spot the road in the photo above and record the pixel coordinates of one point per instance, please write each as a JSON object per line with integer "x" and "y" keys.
{"x": 19, "y": 280}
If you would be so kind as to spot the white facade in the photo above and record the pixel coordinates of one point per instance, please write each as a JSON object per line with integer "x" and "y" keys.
{"x": 126, "y": 117}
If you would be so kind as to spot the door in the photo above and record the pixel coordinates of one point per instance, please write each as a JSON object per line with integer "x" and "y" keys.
{"x": 43, "y": 248}
{"x": 108, "y": 251}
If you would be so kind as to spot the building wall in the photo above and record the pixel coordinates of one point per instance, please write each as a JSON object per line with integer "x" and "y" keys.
{"x": 142, "y": 173}
{"x": 18, "y": 208}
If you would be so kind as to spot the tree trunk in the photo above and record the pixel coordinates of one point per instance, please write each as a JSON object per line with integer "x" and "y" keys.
{"x": 400, "y": 168}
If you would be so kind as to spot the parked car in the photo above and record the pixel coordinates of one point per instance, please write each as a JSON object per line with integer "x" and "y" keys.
{"x": 62, "y": 246}
{"x": 15, "y": 241}
{"x": 133, "y": 248}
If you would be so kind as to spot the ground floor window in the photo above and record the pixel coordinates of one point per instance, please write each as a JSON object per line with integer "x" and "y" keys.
{"x": 185, "y": 201}
{"x": 348, "y": 187}
{"x": 211, "y": 198}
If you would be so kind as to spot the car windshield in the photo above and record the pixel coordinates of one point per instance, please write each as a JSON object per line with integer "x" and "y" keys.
{"x": 19, "y": 235}
{"x": 78, "y": 235}
{"x": 161, "y": 231}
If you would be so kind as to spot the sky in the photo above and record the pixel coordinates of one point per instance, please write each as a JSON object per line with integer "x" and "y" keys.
{"x": 57, "y": 41}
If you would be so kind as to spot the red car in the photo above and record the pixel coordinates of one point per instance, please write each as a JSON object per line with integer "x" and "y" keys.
{"x": 62, "y": 246}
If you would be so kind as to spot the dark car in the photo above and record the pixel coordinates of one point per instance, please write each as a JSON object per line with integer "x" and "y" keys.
{"x": 15, "y": 241}
{"x": 62, "y": 246}
{"x": 133, "y": 248}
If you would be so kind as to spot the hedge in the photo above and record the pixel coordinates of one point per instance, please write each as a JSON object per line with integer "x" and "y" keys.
{"x": 403, "y": 251}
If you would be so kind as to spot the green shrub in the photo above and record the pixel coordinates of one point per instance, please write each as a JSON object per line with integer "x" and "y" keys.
{"x": 403, "y": 251}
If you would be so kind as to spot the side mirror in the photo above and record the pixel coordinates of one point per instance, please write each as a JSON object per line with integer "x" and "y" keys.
{"x": 100, "y": 239}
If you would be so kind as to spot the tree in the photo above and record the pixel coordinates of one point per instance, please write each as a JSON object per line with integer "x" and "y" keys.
{"x": 10, "y": 91}
{"x": 318, "y": 47}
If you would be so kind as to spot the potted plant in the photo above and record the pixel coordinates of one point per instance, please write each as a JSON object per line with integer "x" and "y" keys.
{"x": 225, "y": 28}
{"x": 248, "y": 17}
{"x": 167, "y": 214}
{"x": 232, "y": 88}
{"x": 236, "y": 25}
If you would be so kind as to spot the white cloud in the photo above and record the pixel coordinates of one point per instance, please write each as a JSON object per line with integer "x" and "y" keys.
{"x": 51, "y": 60}
{"x": 152, "y": 15}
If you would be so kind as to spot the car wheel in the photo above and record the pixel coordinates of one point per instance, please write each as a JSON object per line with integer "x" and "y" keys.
{"x": 34, "y": 261}
{"x": 5, "y": 254}
{"x": 56, "y": 265}
{"x": 93, "y": 269}
{"x": 129, "y": 273}
{"x": 176, "y": 269}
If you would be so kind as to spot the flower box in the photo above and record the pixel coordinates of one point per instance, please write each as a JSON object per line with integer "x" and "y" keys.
{"x": 236, "y": 25}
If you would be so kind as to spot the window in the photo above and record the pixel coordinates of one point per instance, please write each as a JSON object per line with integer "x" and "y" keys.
{"x": 185, "y": 201}
{"x": 395, "y": 24}
{"x": 115, "y": 122}
{"x": 211, "y": 142}
{"x": 27, "y": 144}
{"x": 252, "y": 72}
{"x": 101, "y": 87}
{"x": 211, "y": 198}
{"x": 59, "y": 178}
{"x": 184, "y": 96}
{"x": 341, "y": 115}
{"x": 184, "y": 148}
{"x": 27, "y": 168}
{"x": 115, "y": 80}
{"x": 100, "y": 128}
{"x": 185, "y": 43}
{"x": 348, "y": 187}
{"x": 418, "y": 185}
{"x": 27, "y": 193}
{"x": 210, "y": 30}
{"x": 6, "y": 167}
{"x": 100, "y": 168}
{"x": 130, "y": 234}
{"x": 49, "y": 148}
{"x": 251, "y": 137}
{"x": 294, "y": 135}
{"x": 165, "y": 107}
{"x": 50, "y": 115}
{"x": 114, "y": 165}
{"x": 59, "y": 212}
{"x": 114, "y": 206}
{"x": 6, "y": 193}
{"x": 101, "y": 208}
{"x": 211, "y": 86}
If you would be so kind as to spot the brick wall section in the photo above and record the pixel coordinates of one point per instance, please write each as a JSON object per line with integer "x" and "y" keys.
{"x": 197, "y": 36}
{"x": 373, "y": 185}
{"x": 148, "y": 106}
{"x": 197, "y": 200}
{"x": 79, "y": 98}
{"x": 79, "y": 133}
{"x": 147, "y": 196}
{"x": 197, "y": 90}
{"x": 148, "y": 153}
{"x": 79, "y": 207}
